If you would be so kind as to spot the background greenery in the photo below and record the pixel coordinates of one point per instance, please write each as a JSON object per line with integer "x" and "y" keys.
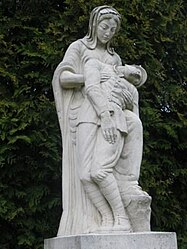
{"x": 34, "y": 35}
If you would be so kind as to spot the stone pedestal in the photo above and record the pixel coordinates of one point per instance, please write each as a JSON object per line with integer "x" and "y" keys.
{"x": 146, "y": 240}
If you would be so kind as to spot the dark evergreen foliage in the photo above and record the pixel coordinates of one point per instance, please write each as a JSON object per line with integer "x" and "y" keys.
{"x": 34, "y": 35}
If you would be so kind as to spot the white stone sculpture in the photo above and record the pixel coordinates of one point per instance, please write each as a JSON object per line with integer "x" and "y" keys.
{"x": 97, "y": 105}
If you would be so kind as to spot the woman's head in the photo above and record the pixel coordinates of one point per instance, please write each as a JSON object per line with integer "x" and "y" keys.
{"x": 107, "y": 16}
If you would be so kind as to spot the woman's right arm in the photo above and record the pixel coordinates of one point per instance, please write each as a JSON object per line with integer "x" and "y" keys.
{"x": 71, "y": 77}
{"x": 71, "y": 80}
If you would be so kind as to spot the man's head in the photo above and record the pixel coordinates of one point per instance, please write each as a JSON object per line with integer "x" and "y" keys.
{"x": 135, "y": 74}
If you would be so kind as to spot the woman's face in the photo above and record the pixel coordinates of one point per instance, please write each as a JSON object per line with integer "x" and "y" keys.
{"x": 106, "y": 30}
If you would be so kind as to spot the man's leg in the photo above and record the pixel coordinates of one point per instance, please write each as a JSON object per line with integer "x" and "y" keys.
{"x": 136, "y": 201}
{"x": 105, "y": 158}
{"x": 130, "y": 160}
{"x": 86, "y": 137}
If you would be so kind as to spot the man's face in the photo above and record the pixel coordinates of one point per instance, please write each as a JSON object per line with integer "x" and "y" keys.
{"x": 134, "y": 75}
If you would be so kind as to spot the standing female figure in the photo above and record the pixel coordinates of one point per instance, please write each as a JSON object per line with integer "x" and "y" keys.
{"x": 102, "y": 142}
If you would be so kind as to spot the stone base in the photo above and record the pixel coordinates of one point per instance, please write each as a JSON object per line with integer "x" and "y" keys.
{"x": 146, "y": 240}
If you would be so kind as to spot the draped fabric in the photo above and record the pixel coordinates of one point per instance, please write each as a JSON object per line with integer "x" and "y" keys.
{"x": 75, "y": 203}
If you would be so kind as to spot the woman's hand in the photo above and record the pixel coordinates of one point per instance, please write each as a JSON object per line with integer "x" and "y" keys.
{"x": 121, "y": 96}
{"x": 128, "y": 99}
{"x": 108, "y": 127}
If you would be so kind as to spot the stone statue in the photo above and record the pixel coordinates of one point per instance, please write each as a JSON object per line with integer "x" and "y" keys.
{"x": 97, "y": 105}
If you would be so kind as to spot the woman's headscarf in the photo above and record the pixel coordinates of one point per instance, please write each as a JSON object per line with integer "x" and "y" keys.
{"x": 98, "y": 14}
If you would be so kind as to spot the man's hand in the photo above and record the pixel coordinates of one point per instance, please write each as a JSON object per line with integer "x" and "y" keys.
{"x": 108, "y": 127}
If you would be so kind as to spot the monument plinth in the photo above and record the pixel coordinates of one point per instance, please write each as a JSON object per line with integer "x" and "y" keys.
{"x": 147, "y": 240}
